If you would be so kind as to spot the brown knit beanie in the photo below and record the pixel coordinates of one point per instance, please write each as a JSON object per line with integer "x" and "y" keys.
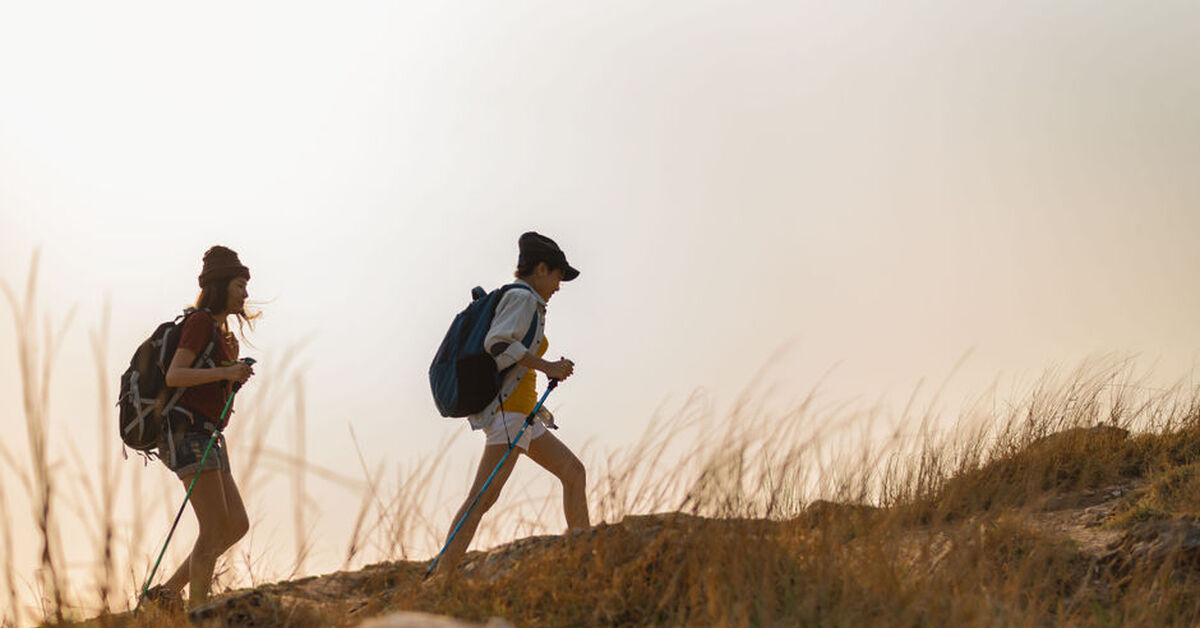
{"x": 221, "y": 264}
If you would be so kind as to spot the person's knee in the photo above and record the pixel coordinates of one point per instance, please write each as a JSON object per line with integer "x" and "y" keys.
{"x": 574, "y": 474}
{"x": 209, "y": 545}
{"x": 238, "y": 527}
{"x": 234, "y": 526}
{"x": 486, "y": 502}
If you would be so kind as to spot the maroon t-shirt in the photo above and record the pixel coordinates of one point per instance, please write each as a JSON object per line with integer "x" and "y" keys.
{"x": 208, "y": 400}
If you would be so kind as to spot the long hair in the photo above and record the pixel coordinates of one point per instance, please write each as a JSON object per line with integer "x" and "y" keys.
{"x": 214, "y": 296}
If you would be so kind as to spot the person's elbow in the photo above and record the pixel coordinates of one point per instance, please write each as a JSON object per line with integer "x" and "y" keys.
{"x": 174, "y": 378}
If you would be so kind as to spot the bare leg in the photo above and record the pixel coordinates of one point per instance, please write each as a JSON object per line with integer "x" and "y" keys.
{"x": 223, "y": 521}
{"x": 458, "y": 545}
{"x": 555, "y": 457}
{"x": 180, "y": 577}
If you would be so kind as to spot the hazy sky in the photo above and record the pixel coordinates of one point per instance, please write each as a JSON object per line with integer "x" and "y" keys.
{"x": 876, "y": 187}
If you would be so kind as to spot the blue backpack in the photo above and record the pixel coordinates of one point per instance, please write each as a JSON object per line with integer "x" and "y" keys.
{"x": 463, "y": 375}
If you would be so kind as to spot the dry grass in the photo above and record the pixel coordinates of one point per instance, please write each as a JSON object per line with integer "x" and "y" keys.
{"x": 954, "y": 539}
{"x": 36, "y": 347}
{"x": 806, "y": 516}
{"x": 951, "y": 539}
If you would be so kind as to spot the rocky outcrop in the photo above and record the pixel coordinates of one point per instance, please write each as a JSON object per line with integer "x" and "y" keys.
{"x": 1170, "y": 546}
{"x": 427, "y": 620}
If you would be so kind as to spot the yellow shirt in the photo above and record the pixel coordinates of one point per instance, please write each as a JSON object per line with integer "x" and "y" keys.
{"x": 524, "y": 397}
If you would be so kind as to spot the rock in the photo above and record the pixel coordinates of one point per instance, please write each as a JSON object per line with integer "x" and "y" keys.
{"x": 245, "y": 609}
{"x": 298, "y": 612}
{"x": 1154, "y": 545}
{"x": 413, "y": 619}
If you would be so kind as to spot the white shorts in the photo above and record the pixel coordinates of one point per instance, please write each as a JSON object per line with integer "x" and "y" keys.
{"x": 504, "y": 428}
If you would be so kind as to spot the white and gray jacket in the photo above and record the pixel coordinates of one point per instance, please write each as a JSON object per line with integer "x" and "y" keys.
{"x": 510, "y": 324}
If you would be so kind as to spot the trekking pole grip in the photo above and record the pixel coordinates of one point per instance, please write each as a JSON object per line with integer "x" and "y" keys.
{"x": 248, "y": 362}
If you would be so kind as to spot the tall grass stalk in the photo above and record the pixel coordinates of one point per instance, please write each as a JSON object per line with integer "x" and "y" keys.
{"x": 370, "y": 495}
{"x": 36, "y": 360}
{"x": 12, "y": 613}
{"x": 106, "y": 470}
{"x": 302, "y": 535}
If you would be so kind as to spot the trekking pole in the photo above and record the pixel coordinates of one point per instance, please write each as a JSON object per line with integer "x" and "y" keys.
{"x": 215, "y": 435}
{"x": 528, "y": 422}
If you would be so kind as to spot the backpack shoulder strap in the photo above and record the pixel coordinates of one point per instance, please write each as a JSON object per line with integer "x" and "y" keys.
{"x": 510, "y": 286}
{"x": 528, "y": 339}
{"x": 529, "y": 335}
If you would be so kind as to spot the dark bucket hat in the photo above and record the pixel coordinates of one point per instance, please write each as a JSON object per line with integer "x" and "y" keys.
{"x": 536, "y": 247}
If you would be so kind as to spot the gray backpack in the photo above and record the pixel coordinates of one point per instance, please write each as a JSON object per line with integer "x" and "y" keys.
{"x": 145, "y": 399}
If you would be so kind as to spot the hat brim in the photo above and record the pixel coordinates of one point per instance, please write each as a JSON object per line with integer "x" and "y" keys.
{"x": 569, "y": 272}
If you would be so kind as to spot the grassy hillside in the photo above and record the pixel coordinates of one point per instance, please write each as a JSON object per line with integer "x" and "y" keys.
{"x": 1055, "y": 515}
{"x": 1075, "y": 504}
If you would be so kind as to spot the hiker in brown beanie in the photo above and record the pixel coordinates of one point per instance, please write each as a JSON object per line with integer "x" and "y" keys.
{"x": 215, "y": 498}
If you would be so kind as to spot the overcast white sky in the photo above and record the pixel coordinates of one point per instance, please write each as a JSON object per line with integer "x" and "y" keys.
{"x": 876, "y": 188}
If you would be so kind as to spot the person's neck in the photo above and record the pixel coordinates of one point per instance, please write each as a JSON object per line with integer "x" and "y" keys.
{"x": 221, "y": 319}
{"x": 535, "y": 285}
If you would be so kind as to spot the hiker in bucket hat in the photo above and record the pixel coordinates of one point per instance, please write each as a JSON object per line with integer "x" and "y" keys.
{"x": 541, "y": 267}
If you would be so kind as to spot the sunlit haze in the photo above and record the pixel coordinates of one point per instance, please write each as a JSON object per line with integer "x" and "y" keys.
{"x": 761, "y": 195}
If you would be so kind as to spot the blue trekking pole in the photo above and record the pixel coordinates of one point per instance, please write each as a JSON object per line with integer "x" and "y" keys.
{"x": 215, "y": 435}
{"x": 528, "y": 422}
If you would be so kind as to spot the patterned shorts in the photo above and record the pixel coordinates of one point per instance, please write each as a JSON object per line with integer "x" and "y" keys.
{"x": 181, "y": 452}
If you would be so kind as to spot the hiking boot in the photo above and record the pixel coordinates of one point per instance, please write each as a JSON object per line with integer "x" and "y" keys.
{"x": 164, "y": 599}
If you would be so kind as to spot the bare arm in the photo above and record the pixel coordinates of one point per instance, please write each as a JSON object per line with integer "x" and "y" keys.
{"x": 180, "y": 373}
{"x": 561, "y": 369}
